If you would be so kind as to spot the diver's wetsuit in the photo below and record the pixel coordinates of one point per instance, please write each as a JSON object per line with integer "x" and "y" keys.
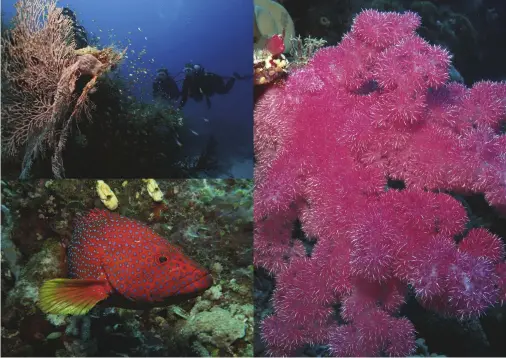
{"x": 200, "y": 84}
{"x": 165, "y": 87}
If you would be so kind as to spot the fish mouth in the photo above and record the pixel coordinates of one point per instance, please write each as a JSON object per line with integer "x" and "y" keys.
{"x": 200, "y": 284}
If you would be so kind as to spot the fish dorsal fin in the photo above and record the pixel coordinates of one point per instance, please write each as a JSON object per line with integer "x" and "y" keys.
{"x": 72, "y": 296}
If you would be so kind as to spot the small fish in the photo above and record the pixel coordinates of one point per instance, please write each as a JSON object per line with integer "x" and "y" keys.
{"x": 178, "y": 142}
{"x": 146, "y": 38}
{"x": 139, "y": 29}
{"x": 205, "y": 119}
{"x": 195, "y": 133}
{"x": 119, "y": 262}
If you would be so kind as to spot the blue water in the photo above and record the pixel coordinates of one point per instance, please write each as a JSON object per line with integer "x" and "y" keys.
{"x": 217, "y": 34}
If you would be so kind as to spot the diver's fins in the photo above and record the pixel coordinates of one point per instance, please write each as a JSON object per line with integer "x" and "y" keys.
{"x": 239, "y": 77}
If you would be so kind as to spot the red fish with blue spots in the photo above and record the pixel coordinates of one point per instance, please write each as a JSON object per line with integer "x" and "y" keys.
{"x": 120, "y": 262}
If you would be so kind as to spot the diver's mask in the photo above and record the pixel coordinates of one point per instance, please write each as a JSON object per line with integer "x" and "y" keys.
{"x": 193, "y": 69}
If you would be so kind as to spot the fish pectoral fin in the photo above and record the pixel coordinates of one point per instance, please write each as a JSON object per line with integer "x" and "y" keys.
{"x": 71, "y": 296}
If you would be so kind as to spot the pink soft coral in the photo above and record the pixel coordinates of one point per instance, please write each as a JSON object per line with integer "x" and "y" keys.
{"x": 376, "y": 107}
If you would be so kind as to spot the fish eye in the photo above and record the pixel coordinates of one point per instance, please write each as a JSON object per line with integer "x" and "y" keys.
{"x": 162, "y": 259}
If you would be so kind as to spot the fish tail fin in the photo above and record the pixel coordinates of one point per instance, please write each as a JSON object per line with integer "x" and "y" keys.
{"x": 71, "y": 296}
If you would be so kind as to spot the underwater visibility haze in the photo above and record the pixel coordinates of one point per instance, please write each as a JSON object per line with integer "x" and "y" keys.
{"x": 107, "y": 122}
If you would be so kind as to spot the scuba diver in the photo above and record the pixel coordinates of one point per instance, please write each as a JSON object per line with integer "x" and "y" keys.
{"x": 165, "y": 87}
{"x": 198, "y": 83}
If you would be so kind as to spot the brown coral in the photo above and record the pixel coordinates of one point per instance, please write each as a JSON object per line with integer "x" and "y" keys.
{"x": 40, "y": 68}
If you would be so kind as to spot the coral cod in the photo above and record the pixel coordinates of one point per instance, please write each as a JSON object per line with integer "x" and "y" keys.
{"x": 120, "y": 262}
